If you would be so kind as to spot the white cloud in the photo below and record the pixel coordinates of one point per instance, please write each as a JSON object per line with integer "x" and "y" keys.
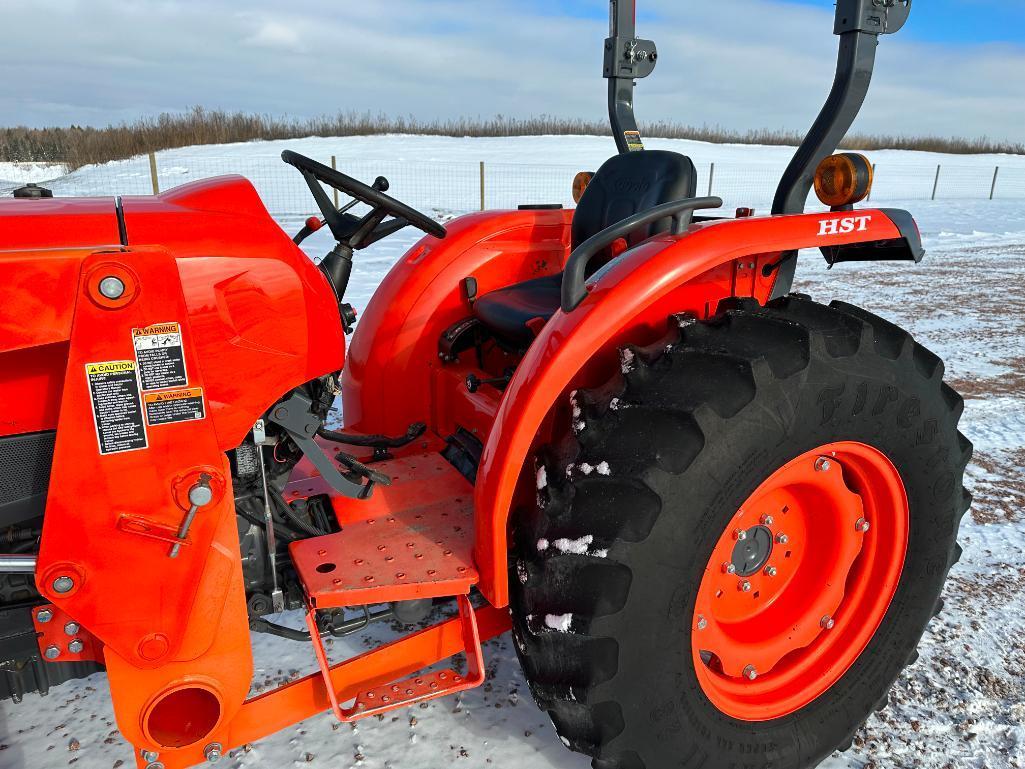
{"x": 736, "y": 63}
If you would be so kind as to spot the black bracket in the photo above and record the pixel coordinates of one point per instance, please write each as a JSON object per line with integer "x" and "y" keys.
{"x": 295, "y": 415}
{"x": 877, "y": 17}
{"x": 629, "y": 57}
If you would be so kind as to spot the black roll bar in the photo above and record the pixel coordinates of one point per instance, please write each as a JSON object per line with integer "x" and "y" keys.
{"x": 627, "y": 58}
{"x": 859, "y": 23}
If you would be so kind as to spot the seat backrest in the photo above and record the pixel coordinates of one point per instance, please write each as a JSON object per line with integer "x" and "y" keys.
{"x": 632, "y": 182}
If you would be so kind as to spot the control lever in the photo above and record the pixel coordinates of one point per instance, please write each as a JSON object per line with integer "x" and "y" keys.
{"x": 199, "y": 495}
{"x": 296, "y": 416}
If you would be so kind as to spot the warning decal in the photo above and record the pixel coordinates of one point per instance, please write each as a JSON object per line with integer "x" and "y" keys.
{"x": 158, "y": 349}
{"x": 633, "y": 140}
{"x": 174, "y": 406}
{"x": 117, "y": 412}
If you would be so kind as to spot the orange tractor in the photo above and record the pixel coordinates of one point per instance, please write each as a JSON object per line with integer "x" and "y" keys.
{"x": 718, "y": 516}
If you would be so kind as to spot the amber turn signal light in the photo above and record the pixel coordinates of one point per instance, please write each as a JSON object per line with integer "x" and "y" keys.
{"x": 843, "y": 180}
{"x": 580, "y": 182}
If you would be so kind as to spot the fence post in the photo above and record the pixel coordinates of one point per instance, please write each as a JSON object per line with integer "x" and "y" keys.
{"x": 993, "y": 189}
{"x": 711, "y": 177}
{"x": 153, "y": 173}
{"x": 936, "y": 184}
{"x": 867, "y": 199}
{"x": 334, "y": 166}
{"x": 482, "y": 185}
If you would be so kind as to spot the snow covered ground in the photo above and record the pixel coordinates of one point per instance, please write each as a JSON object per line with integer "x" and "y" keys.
{"x": 961, "y": 706}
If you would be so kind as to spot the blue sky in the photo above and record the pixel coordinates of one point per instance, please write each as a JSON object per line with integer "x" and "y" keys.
{"x": 956, "y": 69}
{"x": 957, "y": 21}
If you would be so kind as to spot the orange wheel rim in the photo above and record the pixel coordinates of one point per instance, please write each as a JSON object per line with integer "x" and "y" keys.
{"x": 800, "y": 581}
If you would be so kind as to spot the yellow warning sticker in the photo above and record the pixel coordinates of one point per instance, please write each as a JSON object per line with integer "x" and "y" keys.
{"x": 633, "y": 140}
{"x": 170, "y": 406}
{"x": 117, "y": 410}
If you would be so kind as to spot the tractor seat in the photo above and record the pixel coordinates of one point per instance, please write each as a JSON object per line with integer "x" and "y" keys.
{"x": 624, "y": 185}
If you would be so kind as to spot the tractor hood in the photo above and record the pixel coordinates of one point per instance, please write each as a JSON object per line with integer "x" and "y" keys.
{"x": 57, "y": 223}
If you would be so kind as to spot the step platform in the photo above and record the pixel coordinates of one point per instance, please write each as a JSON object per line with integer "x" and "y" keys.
{"x": 417, "y": 542}
{"x": 411, "y": 540}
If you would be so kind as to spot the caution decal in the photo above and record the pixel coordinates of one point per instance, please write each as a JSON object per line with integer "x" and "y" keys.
{"x": 117, "y": 410}
{"x": 161, "y": 356}
{"x": 633, "y": 141}
{"x": 172, "y": 406}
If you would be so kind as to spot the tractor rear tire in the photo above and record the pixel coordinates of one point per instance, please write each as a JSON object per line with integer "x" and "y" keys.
{"x": 649, "y": 479}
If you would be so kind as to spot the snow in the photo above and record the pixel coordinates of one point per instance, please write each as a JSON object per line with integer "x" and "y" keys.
{"x": 961, "y": 706}
{"x": 559, "y": 622}
{"x": 16, "y": 174}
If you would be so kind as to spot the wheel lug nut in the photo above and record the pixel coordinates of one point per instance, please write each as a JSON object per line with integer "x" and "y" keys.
{"x": 782, "y": 539}
{"x": 744, "y": 586}
{"x": 729, "y": 568}
{"x": 702, "y": 622}
{"x": 750, "y": 673}
{"x": 861, "y": 525}
{"x": 740, "y": 535}
{"x": 822, "y": 465}
{"x": 767, "y": 520}
{"x": 827, "y": 623}
{"x": 770, "y": 571}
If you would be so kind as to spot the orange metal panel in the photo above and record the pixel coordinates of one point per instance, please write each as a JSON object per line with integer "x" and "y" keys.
{"x": 627, "y": 302}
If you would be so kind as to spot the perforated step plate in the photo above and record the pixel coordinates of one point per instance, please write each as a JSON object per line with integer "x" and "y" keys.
{"x": 419, "y": 544}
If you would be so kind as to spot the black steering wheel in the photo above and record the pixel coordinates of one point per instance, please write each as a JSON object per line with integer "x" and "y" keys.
{"x": 353, "y": 231}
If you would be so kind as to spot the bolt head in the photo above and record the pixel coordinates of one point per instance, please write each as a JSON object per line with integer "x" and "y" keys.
{"x": 52, "y": 652}
{"x": 71, "y": 628}
{"x": 740, "y": 535}
{"x": 861, "y": 525}
{"x": 213, "y": 752}
{"x": 782, "y": 539}
{"x": 112, "y": 287}
{"x": 63, "y": 584}
{"x": 729, "y": 568}
{"x": 827, "y": 623}
{"x": 76, "y": 646}
{"x": 149, "y": 756}
{"x": 702, "y": 622}
{"x": 822, "y": 465}
{"x": 744, "y": 586}
{"x": 750, "y": 673}
{"x": 770, "y": 571}
{"x": 200, "y": 494}
{"x": 44, "y": 615}
{"x": 767, "y": 520}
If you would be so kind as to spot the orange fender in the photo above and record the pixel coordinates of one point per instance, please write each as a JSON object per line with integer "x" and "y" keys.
{"x": 629, "y": 303}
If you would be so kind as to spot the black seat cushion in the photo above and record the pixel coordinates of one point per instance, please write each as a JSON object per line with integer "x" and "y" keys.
{"x": 624, "y": 185}
{"x": 507, "y": 311}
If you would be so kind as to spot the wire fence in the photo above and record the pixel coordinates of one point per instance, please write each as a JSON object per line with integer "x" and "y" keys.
{"x": 440, "y": 186}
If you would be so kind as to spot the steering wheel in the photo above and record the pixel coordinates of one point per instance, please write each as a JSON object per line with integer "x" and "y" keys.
{"x": 353, "y": 231}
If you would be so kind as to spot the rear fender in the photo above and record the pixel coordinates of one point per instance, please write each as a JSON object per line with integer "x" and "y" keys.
{"x": 628, "y": 302}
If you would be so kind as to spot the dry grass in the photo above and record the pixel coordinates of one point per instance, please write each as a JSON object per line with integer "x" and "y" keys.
{"x": 78, "y": 145}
